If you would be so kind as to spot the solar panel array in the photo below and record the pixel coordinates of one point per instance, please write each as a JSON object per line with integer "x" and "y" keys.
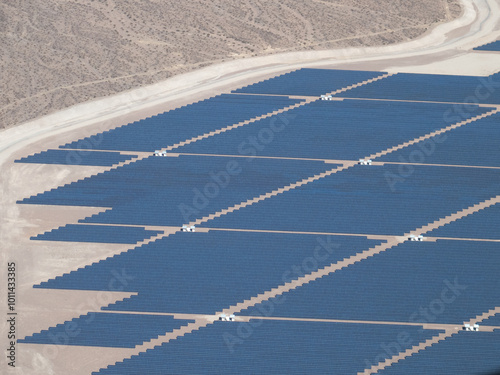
{"x": 278, "y": 199}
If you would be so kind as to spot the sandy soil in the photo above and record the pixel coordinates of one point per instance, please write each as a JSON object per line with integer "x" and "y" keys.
{"x": 435, "y": 52}
{"x": 56, "y": 53}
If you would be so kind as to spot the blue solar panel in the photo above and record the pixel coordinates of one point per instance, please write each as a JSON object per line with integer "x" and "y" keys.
{"x": 465, "y": 353}
{"x": 420, "y": 282}
{"x": 309, "y": 82}
{"x": 370, "y": 200}
{"x": 475, "y": 144}
{"x": 493, "y": 321}
{"x": 493, "y": 46}
{"x": 97, "y": 233}
{"x": 76, "y": 157}
{"x": 108, "y": 330}
{"x": 177, "y": 125}
{"x": 173, "y": 191}
{"x": 274, "y": 347}
{"x": 206, "y": 272}
{"x": 483, "y": 224}
{"x": 433, "y": 87}
{"x": 350, "y": 129}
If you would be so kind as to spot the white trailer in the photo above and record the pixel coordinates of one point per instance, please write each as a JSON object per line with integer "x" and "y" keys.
{"x": 225, "y": 318}
{"x": 160, "y": 153}
{"x": 467, "y": 327}
{"x": 416, "y": 238}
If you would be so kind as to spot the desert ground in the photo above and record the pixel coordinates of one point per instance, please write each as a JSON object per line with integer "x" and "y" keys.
{"x": 58, "y": 53}
{"x": 108, "y": 59}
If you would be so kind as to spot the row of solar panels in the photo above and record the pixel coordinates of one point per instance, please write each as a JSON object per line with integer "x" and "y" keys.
{"x": 77, "y": 157}
{"x": 97, "y": 233}
{"x": 177, "y": 125}
{"x": 107, "y": 329}
{"x": 401, "y": 86}
{"x": 493, "y": 321}
{"x": 493, "y": 46}
{"x": 309, "y": 82}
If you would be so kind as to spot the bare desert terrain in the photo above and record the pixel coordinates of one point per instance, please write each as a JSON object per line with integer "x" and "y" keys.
{"x": 58, "y": 53}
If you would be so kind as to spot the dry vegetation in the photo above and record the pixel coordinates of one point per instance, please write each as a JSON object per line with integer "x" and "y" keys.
{"x": 56, "y": 53}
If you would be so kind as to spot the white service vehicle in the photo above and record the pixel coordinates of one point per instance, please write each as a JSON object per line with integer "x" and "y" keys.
{"x": 225, "y": 318}
{"x": 467, "y": 327}
{"x": 416, "y": 238}
{"x": 160, "y": 153}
